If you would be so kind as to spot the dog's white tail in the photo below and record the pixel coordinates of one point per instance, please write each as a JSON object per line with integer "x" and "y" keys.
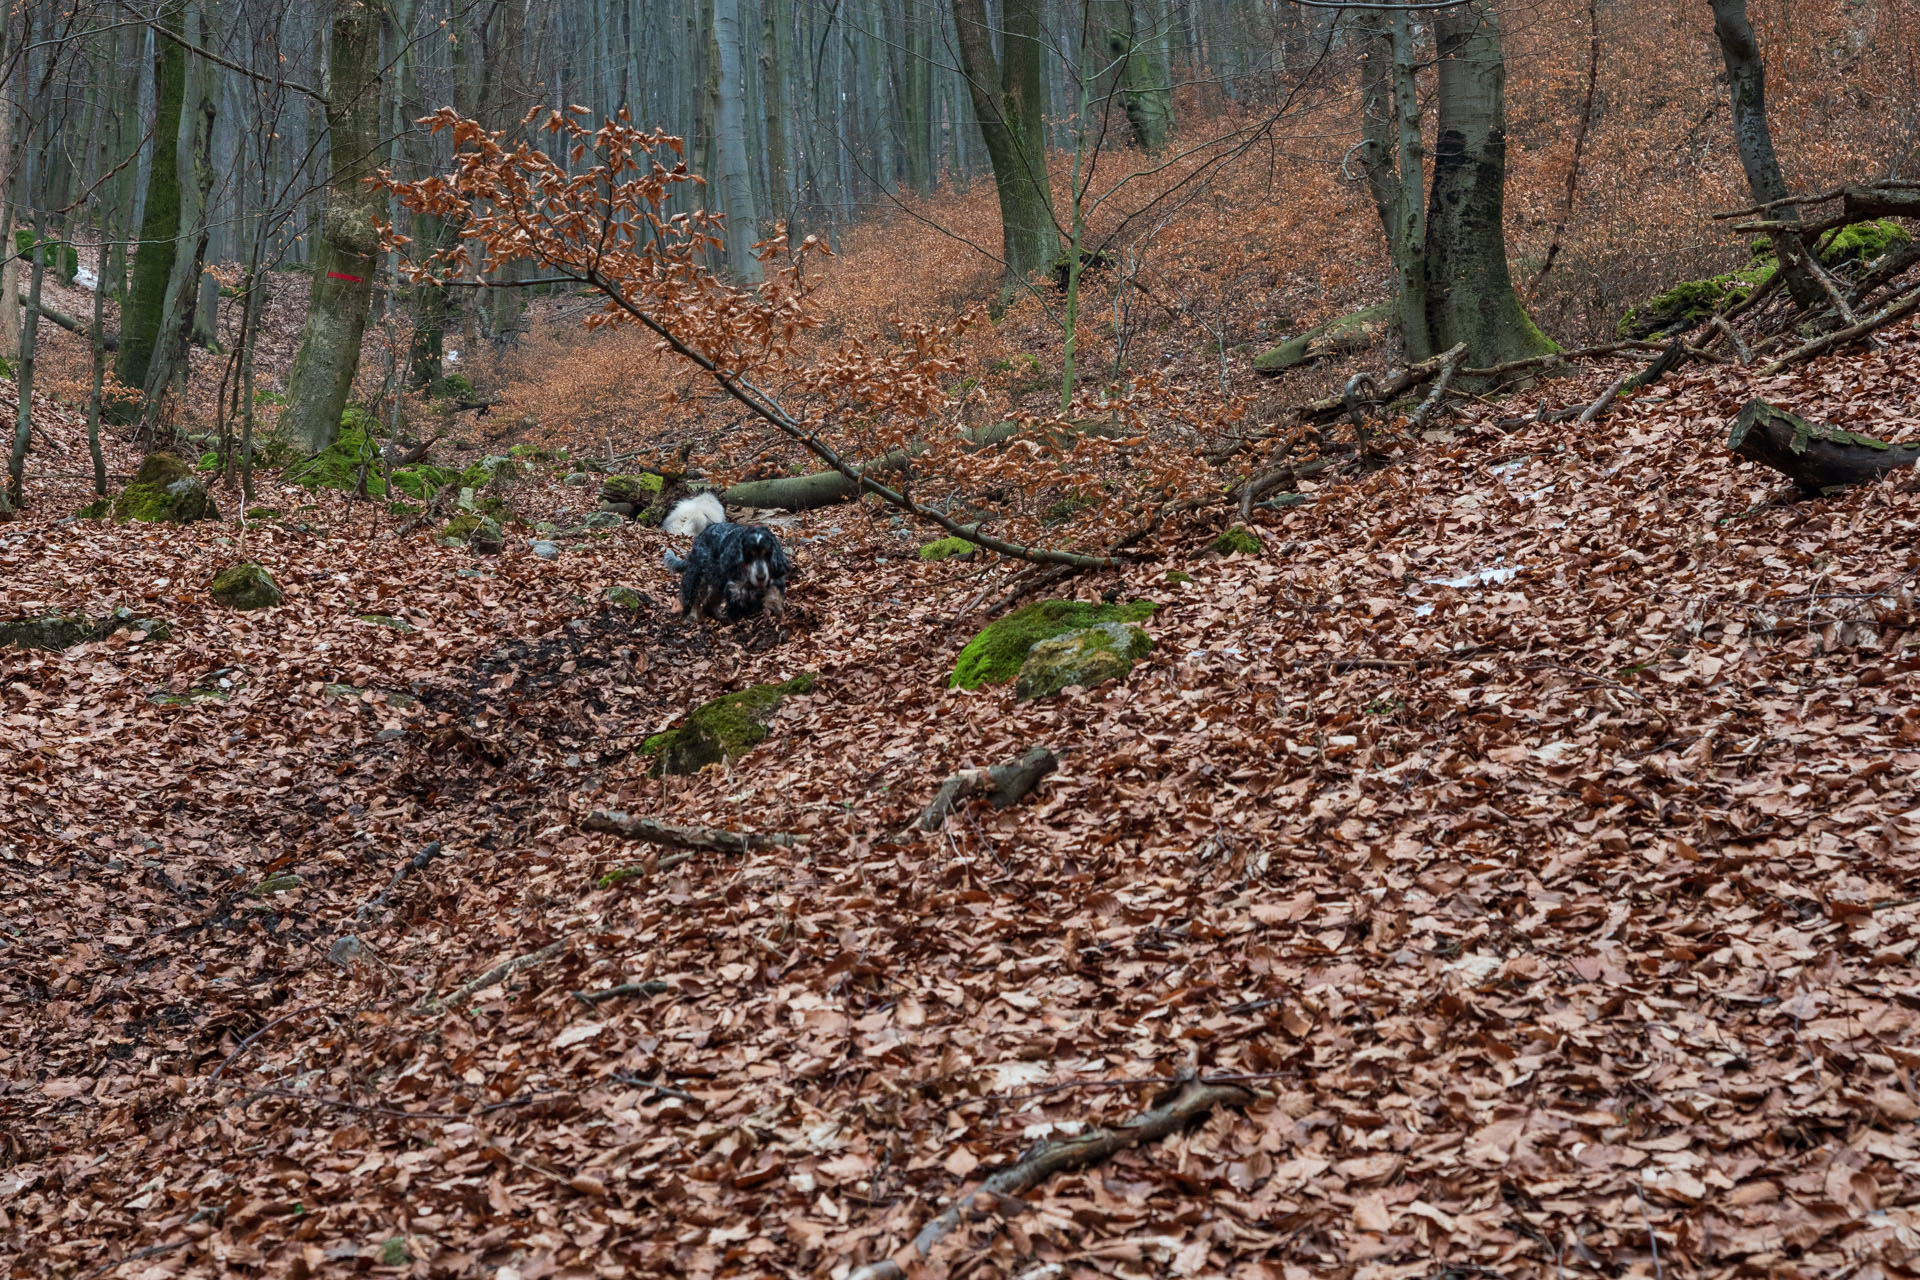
{"x": 691, "y": 516}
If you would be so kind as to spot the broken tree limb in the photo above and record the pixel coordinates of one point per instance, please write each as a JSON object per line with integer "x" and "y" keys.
{"x": 1900, "y": 307}
{"x": 1816, "y": 458}
{"x": 499, "y": 973}
{"x": 110, "y": 341}
{"x": 653, "y": 831}
{"x": 1194, "y": 1100}
{"x": 418, "y": 862}
{"x": 1006, "y": 784}
{"x": 593, "y": 998}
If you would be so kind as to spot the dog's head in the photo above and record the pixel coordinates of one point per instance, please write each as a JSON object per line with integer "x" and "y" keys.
{"x": 763, "y": 563}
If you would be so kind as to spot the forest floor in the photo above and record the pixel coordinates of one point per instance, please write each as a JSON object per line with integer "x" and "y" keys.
{"x": 1532, "y": 827}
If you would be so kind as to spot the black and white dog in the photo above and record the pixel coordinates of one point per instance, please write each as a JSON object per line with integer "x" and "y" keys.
{"x": 733, "y": 571}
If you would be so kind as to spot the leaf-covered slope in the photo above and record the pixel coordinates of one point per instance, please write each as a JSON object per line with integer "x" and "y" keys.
{"x": 1534, "y": 824}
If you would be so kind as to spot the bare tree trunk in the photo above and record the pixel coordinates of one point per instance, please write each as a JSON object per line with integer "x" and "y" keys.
{"x": 144, "y": 314}
{"x": 1395, "y": 162}
{"x": 736, "y": 182}
{"x": 9, "y": 261}
{"x": 1470, "y": 294}
{"x": 349, "y": 246}
{"x": 1009, "y": 97}
{"x": 1747, "y": 87}
{"x": 23, "y": 375}
{"x": 1133, "y": 47}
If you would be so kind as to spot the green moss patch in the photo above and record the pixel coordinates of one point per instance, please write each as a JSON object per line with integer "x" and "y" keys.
{"x": 1355, "y": 331}
{"x": 422, "y": 480}
{"x": 164, "y": 491}
{"x": 99, "y": 509}
{"x": 623, "y": 597}
{"x": 947, "y": 549}
{"x": 637, "y": 490}
{"x": 997, "y": 653}
{"x": 338, "y": 465}
{"x": 1178, "y": 578}
{"x": 1239, "y": 540}
{"x": 53, "y": 632}
{"x": 724, "y": 729}
{"x": 1692, "y": 301}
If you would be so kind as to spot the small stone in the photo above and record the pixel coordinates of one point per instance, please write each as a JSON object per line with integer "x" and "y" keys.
{"x": 546, "y": 550}
{"x": 579, "y": 478}
{"x": 344, "y": 950}
{"x": 598, "y": 520}
{"x": 54, "y": 632}
{"x": 624, "y": 597}
{"x": 622, "y": 509}
{"x": 1087, "y": 657}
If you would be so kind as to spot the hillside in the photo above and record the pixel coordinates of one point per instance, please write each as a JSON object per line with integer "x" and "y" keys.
{"x": 1529, "y": 826}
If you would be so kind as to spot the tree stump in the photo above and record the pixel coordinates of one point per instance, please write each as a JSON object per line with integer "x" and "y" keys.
{"x": 1820, "y": 460}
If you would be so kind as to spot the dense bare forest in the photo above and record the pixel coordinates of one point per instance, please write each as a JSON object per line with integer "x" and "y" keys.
{"x": 908, "y": 638}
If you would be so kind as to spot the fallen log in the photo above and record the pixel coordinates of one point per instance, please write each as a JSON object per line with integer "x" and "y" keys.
{"x": 653, "y": 831}
{"x": 108, "y": 340}
{"x": 1820, "y": 460}
{"x": 1005, "y": 783}
{"x": 1194, "y": 1100}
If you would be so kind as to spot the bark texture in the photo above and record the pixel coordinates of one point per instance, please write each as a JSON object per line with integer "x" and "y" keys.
{"x": 1470, "y": 296}
{"x": 145, "y": 313}
{"x": 349, "y": 246}
{"x": 1009, "y": 98}
{"x": 1818, "y": 459}
{"x": 1747, "y": 88}
{"x": 1134, "y": 50}
{"x": 736, "y": 183}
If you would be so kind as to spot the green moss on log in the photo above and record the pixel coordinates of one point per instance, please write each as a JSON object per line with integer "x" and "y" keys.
{"x": 1238, "y": 540}
{"x": 997, "y": 653}
{"x": 947, "y": 549}
{"x": 724, "y": 729}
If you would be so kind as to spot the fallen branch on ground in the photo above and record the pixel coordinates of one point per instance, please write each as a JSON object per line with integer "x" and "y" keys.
{"x": 1900, "y": 307}
{"x": 418, "y": 862}
{"x": 1007, "y": 782}
{"x": 498, "y": 974}
{"x": 109, "y": 341}
{"x": 1194, "y": 1101}
{"x": 592, "y": 998}
{"x": 653, "y": 831}
{"x": 1816, "y": 458}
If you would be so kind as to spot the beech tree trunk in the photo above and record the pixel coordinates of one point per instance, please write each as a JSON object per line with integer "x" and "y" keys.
{"x": 1009, "y": 97}
{"x": 349, "y": 247}
{"x": 1135, "y": 51}
{"x": 736, "y": 181}
{"x": 145, "y": 313}
{"x": 1747, "y": 88}
{"x": 1395, "y": 162}
{"x": 1470, "y": 296}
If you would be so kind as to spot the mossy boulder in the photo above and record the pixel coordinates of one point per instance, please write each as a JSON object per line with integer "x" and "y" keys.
{"x": 1860, "y": 242}
{"x": 1692, "y": 301}
{"x": 948, "y": 549}
{"x": 1355, "y": 331}
{"x": 1238, "y": 540}
{"x": 724, "y": 729}
{"x": 471, "y": 529}
{"x": 422, "y": 480}
{"x": 245, "y": 586}
{"x": 997, "y": 653}
{"x": 52, "y": 632}
{"x": 98, "y": 509}
{"x": 165, "y": 491}
{"x": 1087, "y": 657}
{"x": 338, "y": 466}
{"x": 623, "y": 597}
{"x": 62, "y": 259}
{"x": 638, "y": 491}
{"x": 495, "y": 468}
{"x": 454, "y": 386}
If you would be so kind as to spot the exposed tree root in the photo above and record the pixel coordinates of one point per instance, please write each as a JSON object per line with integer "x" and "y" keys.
{"x": 1194, "y": 1100}
{"x": 1818, "y": 459}
{"x": 653, "y": 831}
{"x": 1007, "y": 783}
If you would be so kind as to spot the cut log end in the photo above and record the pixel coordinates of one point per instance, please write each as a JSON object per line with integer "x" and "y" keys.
{"x": 1818, "y": 459}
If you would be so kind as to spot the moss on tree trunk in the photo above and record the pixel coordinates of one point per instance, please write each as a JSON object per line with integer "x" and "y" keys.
{"x": 159, "y": 222}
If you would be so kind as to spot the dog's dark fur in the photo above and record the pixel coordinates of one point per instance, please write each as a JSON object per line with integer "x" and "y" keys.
{"x": 733, "y": 572}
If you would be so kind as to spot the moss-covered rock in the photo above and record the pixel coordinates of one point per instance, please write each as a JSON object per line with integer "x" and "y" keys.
{"x": 495, "y": 468}
{"x": 165, "y": 491}
{"x": 638, "y": 491}
{"x": 125, "y": 619}
{"x": 1859, "y": 242}
{"x": 1355, "y": 331}
{"x": 62, "y": 259}
{"x": 98, "y": 509}
{"x": 1238, "y": 540}
{"x": 996, "y": 654}
{"x": 454, "y": 386}
{"x": 263, "y": 513}
{"x": 1177, "y": 578}
{"x": 338, "y": 465}
{"x": 471, "y": 529}
{"x": 724, "y": 729}
{"x": 1692, "y": 301}
{"x": 422, "y": 480}
{"x": 948, "y": 549}
{"x": 52, "y": 632}
{"x": 1087, "y": 657}
{"x": 386, "y": 620}
{"x": 245, "y": 586}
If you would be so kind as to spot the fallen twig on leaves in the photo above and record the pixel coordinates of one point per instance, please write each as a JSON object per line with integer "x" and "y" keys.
{"x": 592, "y": 998}
{"x": 499, "y": 973}
{"x": 1900, "y": 307}
{"x": 418, "y": 862}
{"x": 1194, "y": 1101}
{"x": 709, "y": 840}
{"x": 244, "y": 1045}
{"x": 1008, "y": 781}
